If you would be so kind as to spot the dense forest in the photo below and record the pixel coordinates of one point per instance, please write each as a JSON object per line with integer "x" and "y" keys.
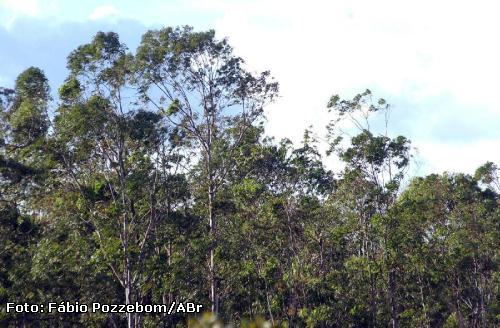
{"x": 150, "y": 179}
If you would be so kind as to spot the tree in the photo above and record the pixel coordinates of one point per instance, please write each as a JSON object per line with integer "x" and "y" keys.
{"x": 119, "y": 165}
{"x": 23, "y": 112}
{"x": 377, "y": 165}
{"x": 446, "y": 239}
{"x": 204, "y": 91}
{"x": 155, "y": 170}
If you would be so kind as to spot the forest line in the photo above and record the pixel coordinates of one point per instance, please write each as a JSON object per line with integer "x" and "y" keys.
{"x": 154, "y": 183}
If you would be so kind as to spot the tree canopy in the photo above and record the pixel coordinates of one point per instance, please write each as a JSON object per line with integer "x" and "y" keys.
{"x": 153, "y": 182}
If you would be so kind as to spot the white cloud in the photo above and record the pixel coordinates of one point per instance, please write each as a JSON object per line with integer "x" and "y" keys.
{"x": 11, "y": 10}
{"x": 416, "y": 50}
{"x": 104, "y": 12}
{"x": 417, "y": 53}
{"x": 462, "y": 157}
{"x": 29, "y": 8}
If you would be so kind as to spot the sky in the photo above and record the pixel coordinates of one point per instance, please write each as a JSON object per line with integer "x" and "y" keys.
{"x": 436, "y": 62}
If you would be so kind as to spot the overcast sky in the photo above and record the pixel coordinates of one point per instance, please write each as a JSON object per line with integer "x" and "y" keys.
{"x": 436, "y": 62}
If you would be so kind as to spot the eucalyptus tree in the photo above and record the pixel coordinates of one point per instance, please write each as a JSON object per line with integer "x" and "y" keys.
{"x": 375, "y": 165}
{"x": 488, "y": 175}
{"x": 25, "y": 123}
{"x": 23, "y": 132}
{"x": 204, "y": 90}
{"x": 117, "y": 163}
{"x": 448, "y": 241}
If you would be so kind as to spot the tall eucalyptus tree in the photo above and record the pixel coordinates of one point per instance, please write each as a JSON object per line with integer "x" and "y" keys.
{"x": 204, "y": 90}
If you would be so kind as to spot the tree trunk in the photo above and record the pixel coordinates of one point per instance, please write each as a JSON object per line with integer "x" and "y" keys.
{"x": 128, "y": 293}
{"x": 422, "y": 300}
{"x": 211, "y": 222}
{"x": 460, "y": 318}
{"x": 392, "y": 295}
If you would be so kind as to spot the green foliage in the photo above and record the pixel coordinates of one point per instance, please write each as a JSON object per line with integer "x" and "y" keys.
{"x": 155, "y": 182}
{"x": 27, "y": 117}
